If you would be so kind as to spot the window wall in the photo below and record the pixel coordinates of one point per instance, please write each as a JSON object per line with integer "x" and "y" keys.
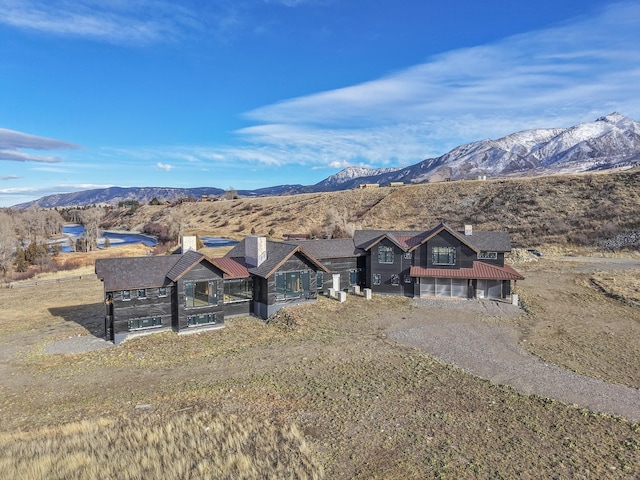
{"x": 200, "y": 294}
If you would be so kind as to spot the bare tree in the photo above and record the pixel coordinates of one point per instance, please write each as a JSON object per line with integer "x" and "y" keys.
{"x": 91, "y": 218}
{"x": 8, "y": 241}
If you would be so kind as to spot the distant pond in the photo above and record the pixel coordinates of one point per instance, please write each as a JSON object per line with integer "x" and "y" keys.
{"x": 116, "y": 239}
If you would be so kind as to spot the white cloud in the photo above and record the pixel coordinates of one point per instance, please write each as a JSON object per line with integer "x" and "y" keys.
{"x": 164, "y": 166}
{"x": 550, "y": 78}
{"x": 12, "y": 143}
{"x": 140, "y": 22}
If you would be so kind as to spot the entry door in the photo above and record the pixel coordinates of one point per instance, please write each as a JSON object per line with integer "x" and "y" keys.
{"x": 336, "y": 281}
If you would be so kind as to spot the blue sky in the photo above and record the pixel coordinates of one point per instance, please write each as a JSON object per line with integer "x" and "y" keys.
{"x": 254, "y": 93}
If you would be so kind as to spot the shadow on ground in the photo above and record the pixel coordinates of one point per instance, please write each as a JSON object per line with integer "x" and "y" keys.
{"x": 89, "y": 316}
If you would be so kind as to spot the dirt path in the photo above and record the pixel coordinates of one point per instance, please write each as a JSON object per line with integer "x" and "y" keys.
{"x": 486, "y": 344}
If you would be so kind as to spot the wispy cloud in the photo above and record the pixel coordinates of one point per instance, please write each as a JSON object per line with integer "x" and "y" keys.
{"x": 49, "y": 189}
{"x": 12, "y": 143}
{"x": 140, "y": 22}
{"x": 9, "y": 177}
{"x": 550, "y": 78}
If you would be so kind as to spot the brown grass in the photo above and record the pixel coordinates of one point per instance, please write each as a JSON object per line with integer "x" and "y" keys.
{"x": 366, "y": 407}
{"x": 561, "y": 210}
{"x": 185, "y": 445}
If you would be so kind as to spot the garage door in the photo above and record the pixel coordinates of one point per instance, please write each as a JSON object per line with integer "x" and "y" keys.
{"x": 443, "y": 287}
{"x": 490, "y": 288}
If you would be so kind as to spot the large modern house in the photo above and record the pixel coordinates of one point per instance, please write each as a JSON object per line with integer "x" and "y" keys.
{"x": 187, "y": 292}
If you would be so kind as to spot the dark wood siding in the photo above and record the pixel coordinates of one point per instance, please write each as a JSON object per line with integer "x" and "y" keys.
{"x": 342, "y": 266}
{"x": 464, "y": 256}
{"x": 199, "y": 273}
{"x": 392, "y": 275}
{"x": 153, "y": 305}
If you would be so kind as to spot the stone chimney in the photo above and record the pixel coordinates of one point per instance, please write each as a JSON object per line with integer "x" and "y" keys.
{"x": 189, "y": 243}
{"x": 255, "y": 250}
{"x": 468, "y": 230}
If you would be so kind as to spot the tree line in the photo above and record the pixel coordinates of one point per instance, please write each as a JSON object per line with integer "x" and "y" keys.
{"x": 24, "y": 235}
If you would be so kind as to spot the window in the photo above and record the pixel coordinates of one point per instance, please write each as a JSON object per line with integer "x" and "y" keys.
{"x": 487, "y": 255}
{"x": 162, "y": 292}
{"x": 238, "y": 290}
{"x": 354, "y": 276}
{"x": 319, "y": 280}
{"x": 142, "y": 293}
{"x": 292, "y": 284}
{"x": 148, "y": 322}
{"x": 395, "y": 280}
{"x": 376, "y": 279}
{"x": 407, "y": 278}
{"x": 204, "y": 319}
{"x": 126, "y": 295}
{"x": 444, "y": 255}
{"x": 407, "y": 255}
{"x": 200, "y": 294}
{"x": 385, "y": 254}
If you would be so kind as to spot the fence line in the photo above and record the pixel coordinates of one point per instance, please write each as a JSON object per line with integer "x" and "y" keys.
{"x": 36, "y": 283}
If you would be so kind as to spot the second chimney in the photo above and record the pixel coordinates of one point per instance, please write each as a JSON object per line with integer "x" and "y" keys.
{"x": 255, "y": 250}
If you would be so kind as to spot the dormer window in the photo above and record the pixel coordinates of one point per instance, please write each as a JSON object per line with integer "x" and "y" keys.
{"x": 385, "y": 254}
{"x": 487, "y": 255}
{"x": 443, "y": 255}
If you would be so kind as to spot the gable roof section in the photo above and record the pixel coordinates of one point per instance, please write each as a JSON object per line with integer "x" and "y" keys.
{"x": 329, "y": 248}
{"x": 277, "y": 254}
{"x": 443, "y": 227}
{"x": 479, "y": 271}
{"x": 131, "y": 273}
{"x": 186, "y": 262}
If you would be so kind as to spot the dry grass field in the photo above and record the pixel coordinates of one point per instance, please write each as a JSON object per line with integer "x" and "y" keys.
{"x": 563, "y": 210}
{"x": 320, "y": 393}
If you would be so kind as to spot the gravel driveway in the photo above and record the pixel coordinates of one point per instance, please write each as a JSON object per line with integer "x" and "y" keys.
{"x": 486, "y": 344}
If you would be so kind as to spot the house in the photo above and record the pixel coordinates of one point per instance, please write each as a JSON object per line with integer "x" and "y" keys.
{"x": 188, "y": 292}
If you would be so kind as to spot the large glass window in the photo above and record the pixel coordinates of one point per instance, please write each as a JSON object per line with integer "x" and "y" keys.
{"x": 385, "y": 254}
{"x": 292, "y": 284}
{"x": 238, "y": 290}
{"x": 200, "y": 294}
{"x": 444, "y": 255}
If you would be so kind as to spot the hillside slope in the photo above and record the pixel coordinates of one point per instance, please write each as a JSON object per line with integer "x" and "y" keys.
{"x": 557, "y": 209}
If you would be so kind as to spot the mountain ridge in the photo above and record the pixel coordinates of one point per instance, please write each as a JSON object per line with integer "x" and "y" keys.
{"x": 611, "y": 141}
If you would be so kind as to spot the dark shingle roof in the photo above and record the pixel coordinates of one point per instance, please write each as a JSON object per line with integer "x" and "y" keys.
{"x": 134, "y": 272}
{"x": 481, "y": 241}
{"x": 277, "y": 254}
{"x": 490, "y": 241}
{"x": 186, "y": 262}
{"x": 329, "y": 248}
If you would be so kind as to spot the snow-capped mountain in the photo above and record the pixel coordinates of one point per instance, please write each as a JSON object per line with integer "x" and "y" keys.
{"x": 609, "y": 142}
{"x": 351, "y": 173}
{"x": 612, "y": 141}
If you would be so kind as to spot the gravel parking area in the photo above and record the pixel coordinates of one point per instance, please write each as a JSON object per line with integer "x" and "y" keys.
{"x": 481, "y": 338}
